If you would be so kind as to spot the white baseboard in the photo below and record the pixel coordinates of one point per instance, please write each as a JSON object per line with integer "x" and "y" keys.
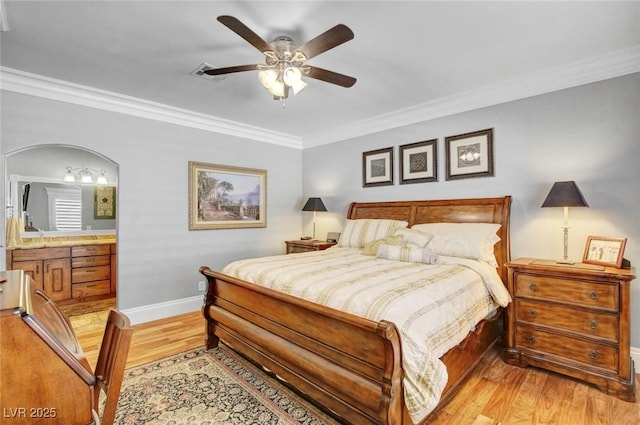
{"x": 635, "y": 355}
{"x": 147, "y": 313}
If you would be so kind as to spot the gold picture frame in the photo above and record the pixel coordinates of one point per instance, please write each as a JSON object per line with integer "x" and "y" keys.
{"x": 226, "y": 197}
{"x": 604, "y": 251}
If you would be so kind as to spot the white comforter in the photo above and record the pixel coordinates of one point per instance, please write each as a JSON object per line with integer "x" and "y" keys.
{"x": 434, "y": 306}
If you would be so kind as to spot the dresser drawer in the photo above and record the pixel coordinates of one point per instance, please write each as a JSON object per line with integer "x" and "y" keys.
{"x": 88, "y": 289}
{"x": 572, "y": 291}
{"x": 96, "y": 260}
{"x": 87, "y": 250}
{"x": 585, "y": 352}
{"x": 87, "y": 274}
{"x": 590, "y": 323}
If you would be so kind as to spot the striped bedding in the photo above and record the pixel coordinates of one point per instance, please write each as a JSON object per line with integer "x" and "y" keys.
{"x": 434, "y": 306}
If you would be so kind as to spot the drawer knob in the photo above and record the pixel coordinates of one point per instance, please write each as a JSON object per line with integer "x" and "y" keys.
{"x": 533, "y": 287}
{"x": 531, "y": 339}
{"x": 593, "y": 295}
{"x": 593, "y": 355}
{"x": 593, "y": 324}
{"x": 532, "y": 313}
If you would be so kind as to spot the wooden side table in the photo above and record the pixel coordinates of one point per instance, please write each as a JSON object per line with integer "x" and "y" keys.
{"x": 299, "y": 245}
{"x": 574, "y": 320}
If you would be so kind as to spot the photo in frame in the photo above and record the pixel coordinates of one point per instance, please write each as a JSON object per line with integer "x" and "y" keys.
{"x": 104, "y": 202}
{"x": 604, "y": 251}
{"x": 418, "y": 162}
{"x": 377, "y": 167}
{"x": 226, "y": 197}
{"x": 469, "y": 155}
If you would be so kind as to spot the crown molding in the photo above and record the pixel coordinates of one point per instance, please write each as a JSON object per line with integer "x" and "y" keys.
{"x": 615, "y": 64}
{"x": 49, "y": 88}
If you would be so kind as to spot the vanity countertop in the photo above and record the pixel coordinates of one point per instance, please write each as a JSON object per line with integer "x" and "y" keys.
{"x": 62, "y": 241}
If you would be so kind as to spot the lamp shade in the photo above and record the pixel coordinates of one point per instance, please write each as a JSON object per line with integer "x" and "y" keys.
{"x": 565, "y": 194}
{"x": 314, "y": 204}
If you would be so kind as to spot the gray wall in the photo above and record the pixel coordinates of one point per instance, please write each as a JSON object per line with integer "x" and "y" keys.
{"x": 158, "y": 257}
{"x": 589, "y": 134}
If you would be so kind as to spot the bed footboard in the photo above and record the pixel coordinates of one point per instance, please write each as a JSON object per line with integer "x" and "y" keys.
{"x": 349, "y": 365}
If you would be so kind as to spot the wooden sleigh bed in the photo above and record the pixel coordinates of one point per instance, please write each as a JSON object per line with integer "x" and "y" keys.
{"x": 346, "y": 364}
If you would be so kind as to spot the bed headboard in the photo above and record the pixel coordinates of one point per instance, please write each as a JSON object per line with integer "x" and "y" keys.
{"x": 478, "y": 210}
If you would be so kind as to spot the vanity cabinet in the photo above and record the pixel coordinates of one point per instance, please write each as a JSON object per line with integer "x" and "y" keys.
{"x": 69, "y": 274}
{"x": 49, "y": 269}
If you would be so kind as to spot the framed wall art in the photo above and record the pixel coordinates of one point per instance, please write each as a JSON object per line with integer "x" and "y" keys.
{"x": 104, "y": 202}
{"x": 604, "y": 251}
{"x": 225, "y": 197}
{"x": 377, "y": 167}
{"x": 470, "y": 155}
{"x": 418, "y": 162}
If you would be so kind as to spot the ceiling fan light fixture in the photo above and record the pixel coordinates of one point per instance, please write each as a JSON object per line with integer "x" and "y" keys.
{"x": 277, "y": 89}
{"x": 268, "y": 77}
{"x": 293, "y": 78}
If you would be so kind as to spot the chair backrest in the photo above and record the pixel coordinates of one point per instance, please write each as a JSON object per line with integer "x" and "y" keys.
{"x": 111, "y": 363}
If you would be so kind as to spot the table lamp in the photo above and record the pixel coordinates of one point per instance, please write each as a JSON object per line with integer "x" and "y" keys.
{"x": 565, "y": 194}
{"x": 315, "y": 205}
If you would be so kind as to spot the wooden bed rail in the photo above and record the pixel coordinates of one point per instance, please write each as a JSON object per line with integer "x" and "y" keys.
{"x": 349, "y": 365}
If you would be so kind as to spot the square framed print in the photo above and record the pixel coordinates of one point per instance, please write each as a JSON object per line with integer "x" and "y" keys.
{"x": 470, "y": 155}
{"x": 225, "y": 197}
{"x": 104, "y": 202}
{"x": 377, "y": 167}
{"x": 604, "y": 251}
{"x": 418, "y": 162}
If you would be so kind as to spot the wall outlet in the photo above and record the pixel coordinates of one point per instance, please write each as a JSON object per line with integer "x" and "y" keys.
{"x": 201, "y": 285}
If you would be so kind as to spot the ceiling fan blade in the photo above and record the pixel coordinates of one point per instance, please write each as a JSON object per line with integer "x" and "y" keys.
{"x": 330, "y": 76}
{"x": 245, "y": 32}
{"x": 326, "y": 41}
{"x": 230, "y": 69}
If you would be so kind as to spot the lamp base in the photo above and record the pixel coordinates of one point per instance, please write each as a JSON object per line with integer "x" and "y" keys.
{"x": 565, "y": 262}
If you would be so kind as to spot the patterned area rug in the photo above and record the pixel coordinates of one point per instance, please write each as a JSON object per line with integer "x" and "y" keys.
{"x": 210, "y": 387}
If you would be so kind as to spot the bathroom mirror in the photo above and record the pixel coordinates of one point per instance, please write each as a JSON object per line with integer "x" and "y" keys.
{"x": 38, "y": 193}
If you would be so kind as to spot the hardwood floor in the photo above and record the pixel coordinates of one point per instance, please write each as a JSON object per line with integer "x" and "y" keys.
{"x": 496, "y": 392}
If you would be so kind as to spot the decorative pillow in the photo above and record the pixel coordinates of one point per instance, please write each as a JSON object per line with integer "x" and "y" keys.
{"x": 467, "y": 240}
{"x": 358, "y": 233}
{"x": 413, "y": 237}
{"x": 372, "y": 247}
{"x": 411, "y": 254}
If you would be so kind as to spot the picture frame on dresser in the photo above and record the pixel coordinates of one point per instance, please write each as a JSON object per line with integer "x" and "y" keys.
{"x": 418, "y": 162}
{"x": 469, "y": 155}
{"x": 604, "y": 251}
{"x": 377, "y": 167}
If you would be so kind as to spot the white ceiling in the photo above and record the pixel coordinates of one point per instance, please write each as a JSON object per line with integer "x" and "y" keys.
{"x": 414, "y": 60}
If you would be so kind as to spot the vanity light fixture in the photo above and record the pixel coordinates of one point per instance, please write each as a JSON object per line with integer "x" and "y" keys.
{"x": 85, "y": 175}
{"x": 565, "y": 194}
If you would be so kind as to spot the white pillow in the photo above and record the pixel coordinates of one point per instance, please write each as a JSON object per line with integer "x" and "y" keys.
{"x": 466, "y": 240}
{"x": 413, "y": 237}
{"x": 410, "y": 254}
{"x": 358, "y": 233}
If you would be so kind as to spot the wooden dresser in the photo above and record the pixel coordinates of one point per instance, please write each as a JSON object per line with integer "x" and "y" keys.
{"x": 69, "y": 274}
{"x": 44, "y": 375}
{"x": 574, "y": 320}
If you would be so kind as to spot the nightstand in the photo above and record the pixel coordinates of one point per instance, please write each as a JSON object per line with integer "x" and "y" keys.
{"x": 574, "y": 320}
{"x": 299, "y": 245}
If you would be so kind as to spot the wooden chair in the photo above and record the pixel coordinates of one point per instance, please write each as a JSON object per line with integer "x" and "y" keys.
{"x": 111, "y": 363}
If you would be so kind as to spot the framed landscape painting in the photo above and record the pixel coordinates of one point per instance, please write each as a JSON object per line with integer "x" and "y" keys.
{"x": 226, "y": 197}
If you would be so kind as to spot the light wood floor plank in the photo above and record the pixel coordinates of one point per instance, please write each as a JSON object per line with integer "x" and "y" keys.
{"x": 494, "y": 394}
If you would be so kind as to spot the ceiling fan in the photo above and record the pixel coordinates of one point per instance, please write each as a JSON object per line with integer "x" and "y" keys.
{"x": 285, "y": 61}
